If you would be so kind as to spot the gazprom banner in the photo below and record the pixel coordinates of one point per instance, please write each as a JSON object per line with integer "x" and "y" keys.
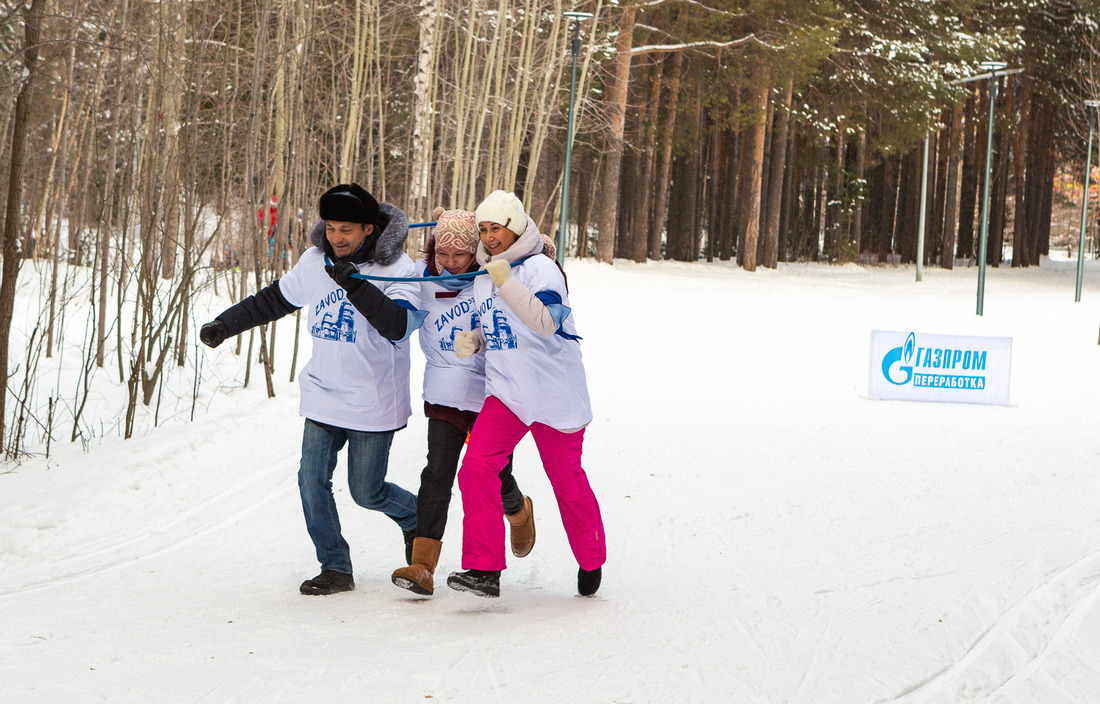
{"x": 910, "y": 366}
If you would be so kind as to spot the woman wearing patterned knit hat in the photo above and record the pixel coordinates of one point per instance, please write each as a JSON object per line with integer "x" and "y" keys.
{"x": 454, "y": 391}
{"x": 535, "y": 381}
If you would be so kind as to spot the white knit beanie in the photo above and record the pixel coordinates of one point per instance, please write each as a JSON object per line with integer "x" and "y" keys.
{"x": 504, "y": 209}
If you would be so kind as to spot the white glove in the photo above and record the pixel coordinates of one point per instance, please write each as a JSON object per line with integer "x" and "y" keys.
{"x": 467, "y": 343}
{"x": 499, "y": 270}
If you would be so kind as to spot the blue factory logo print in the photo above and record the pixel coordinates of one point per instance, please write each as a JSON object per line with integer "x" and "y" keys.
{"x": 340, "y": 327}
{"x": 933, "y": 367}
{"x": 500, "y": 336}
{"x": 447, "y": 343}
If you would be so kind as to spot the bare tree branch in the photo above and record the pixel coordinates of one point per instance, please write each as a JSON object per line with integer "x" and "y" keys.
{"x": 652, "y": 3}
{"x": 656, "y": 48}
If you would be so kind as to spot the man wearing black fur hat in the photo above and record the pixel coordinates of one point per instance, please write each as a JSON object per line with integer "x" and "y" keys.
{"x": 355, "y": 387}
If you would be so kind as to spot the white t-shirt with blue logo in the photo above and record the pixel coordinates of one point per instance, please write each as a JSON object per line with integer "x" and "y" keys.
{"x": 540, "y": 379}
{"x": 448, "y": 380}
{"x": 355, "y": 379}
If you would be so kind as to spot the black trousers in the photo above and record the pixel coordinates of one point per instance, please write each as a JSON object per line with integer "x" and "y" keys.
{"x": 445, "y": 443}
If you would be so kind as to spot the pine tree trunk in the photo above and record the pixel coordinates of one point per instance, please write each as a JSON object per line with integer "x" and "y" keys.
{"x": 1019, "y": 161}
{"x": 682, "y": 202}
{"x": 1042, "y": 240}
{"x": 816, "y": 231}
{"x": 587, "y": 178}
{"x": 890, "y": 175}
{"x": 660, "y": 206}
{"x": 722, "y": 228}
{"x": 698, "y": 213}
{"x": 752, "y": 160}
{"x": 861, "y": 168}
{"x": 972, "y": 166}
{"x": 805, "y": 239}
{"x": 934, "y": 241}
{"x": 616, "y": 114}
{"x": 833, "y": 197}
{"x": 998, "y": 195}
{"x": 765, "y": 171}
{"x": 872, "y": 210}
{"x": 905, "y": 230}
{"x": 710, "y": 184}
{"x": 776, "y": 173}
{"x": 649, "y": 158}
{"x": 1033, "y": 199}
{"x": 791, "y": 185}
{"x": 950, "y": 208}
{"x": 624, "y": 243}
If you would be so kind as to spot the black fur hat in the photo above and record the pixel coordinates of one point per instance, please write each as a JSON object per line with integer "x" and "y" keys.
{"x": 349, "y": 202}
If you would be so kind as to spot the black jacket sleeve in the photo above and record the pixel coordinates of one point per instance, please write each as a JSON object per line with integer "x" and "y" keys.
{"x": 265, "y": 306}
{"x": 390, "y": 319}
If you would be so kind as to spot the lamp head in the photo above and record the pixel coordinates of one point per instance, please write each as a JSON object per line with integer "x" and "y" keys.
{"x": 993, "y": 65}
{"x": 577, "y": 16}
{"x": 1092, "y": 103}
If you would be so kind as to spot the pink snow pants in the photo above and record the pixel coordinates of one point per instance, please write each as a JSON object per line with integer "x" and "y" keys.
{"x": 496, "y": 433}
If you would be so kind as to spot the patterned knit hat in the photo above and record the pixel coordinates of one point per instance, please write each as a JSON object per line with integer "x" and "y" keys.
{"x": 454, "y": 229}
{"x": 549, "y": 248}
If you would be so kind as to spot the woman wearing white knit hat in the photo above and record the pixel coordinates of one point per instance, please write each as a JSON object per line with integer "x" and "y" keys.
{"x": 535, "y": 383}
{"x": 454, "y": 391}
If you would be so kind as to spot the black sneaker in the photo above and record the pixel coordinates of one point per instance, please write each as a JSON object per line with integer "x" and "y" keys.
{"x": 328, "y": 582}
{"x": 409, "y": 536}
{"x": 481, "y": 582}
{"x": 589, "y": 582}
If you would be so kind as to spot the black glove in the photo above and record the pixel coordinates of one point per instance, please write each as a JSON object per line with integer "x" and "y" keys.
{"x": 341, "y": 272}
{"x": 214, "y": 333}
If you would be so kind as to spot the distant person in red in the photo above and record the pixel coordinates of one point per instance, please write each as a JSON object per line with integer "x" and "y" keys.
{"x": 273, "y": 210}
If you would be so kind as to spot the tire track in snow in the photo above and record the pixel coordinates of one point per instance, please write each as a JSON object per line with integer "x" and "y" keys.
{"x": 808, "y": 684}
{"x": 1076, "y": 615}
{"x": 142, "y": 536}
{"x": 107, "y": 552}
{"x": 1016, "y": 639}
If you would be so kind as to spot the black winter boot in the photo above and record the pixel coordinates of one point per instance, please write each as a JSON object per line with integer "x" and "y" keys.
{"x": 410, "y": 535}
{"x": 589, "y": 582}
{"x": 481, "y": 582}
{"x": 328, "y": 582}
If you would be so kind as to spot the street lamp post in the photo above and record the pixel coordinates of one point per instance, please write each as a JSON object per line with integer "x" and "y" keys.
{"x": 996, "y": 69}
{"x": 923, "y": 208}
{"x": 575, "y": 47}
{"x": 1091, "y": 106}
{"x": 992, "y": 67}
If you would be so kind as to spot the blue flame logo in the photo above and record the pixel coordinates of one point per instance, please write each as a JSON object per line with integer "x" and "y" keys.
{"x": 896, "y": 356}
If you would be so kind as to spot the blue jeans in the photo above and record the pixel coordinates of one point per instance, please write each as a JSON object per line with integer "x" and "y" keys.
{"x": 368, "y": 457}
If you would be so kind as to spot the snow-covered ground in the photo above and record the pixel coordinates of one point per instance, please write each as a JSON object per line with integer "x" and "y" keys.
{"x": 773, "y": 534}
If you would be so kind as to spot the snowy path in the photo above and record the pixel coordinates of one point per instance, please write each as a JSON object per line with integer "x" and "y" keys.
{"x": 774, "y": 536}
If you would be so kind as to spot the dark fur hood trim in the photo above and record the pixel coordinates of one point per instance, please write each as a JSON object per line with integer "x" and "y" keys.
{"x": 383, "y": 246}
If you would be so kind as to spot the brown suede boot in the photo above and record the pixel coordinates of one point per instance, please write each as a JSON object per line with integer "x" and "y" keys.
{"x": 417, "y": 577}
{"x": 522, "y": 531}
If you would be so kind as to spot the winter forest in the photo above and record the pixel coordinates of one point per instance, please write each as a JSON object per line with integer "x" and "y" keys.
{"x": 152, "y": 150}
